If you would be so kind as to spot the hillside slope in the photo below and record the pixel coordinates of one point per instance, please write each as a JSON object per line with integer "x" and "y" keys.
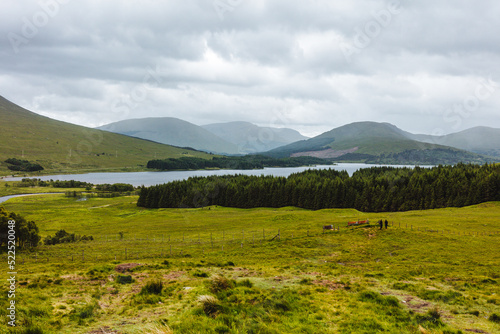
{"x": 481, "y": 139}
{"x": 251, "y": 138}
{"x": 172, "y": 131}
{"x": 374, "y": 142}
{"x": 60, "y": 146}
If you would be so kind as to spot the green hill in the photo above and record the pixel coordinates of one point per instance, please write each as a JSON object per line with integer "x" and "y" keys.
{"x": 371, "y": 141}
{"x": 172, "y": 131}
{"x": 64, "y": 147}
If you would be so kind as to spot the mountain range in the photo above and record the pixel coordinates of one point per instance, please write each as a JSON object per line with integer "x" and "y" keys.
{"x": 481, "y": 139}
{"x": 221, "y": 138}
{"x": 60, "y": 146}
{"x": 385, "y": 143}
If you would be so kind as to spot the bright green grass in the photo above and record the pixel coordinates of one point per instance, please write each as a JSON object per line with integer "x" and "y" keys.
{"x": 10, "y": 188}
{"x": 360, "y": 280}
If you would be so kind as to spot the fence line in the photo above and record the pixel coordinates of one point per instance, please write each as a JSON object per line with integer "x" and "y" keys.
{"x": 185, "y": 245}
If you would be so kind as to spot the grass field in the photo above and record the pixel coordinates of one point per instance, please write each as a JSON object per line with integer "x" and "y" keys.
{"x": 435, "y": 271}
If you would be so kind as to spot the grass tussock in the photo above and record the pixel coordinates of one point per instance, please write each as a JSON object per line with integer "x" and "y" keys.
{"x": 209, "y": 304}
{"x": 152, "y": 288}
{"x": 220, "y": 283}
{"x": 158, "y": 329}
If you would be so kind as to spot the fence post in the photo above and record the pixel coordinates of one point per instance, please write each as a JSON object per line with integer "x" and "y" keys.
{"x": 170, "y": 250}
{"x": 83, "y": 255}
{"x": 126, "y": 258}
{"x": 263, "y": 234}
{"x": 279, "y": 234}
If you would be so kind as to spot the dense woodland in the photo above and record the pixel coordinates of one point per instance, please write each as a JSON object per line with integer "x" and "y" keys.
{"x": 245, "y": 162}
{"x": 377, "y": 189}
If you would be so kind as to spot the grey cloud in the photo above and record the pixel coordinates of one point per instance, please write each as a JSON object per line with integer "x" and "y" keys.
{"x": 274, "y": 59}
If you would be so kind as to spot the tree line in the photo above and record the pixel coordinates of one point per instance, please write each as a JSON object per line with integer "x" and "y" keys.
{"x": 376, "y": 189}
{"x": 115, "y": 187}
{"x": 245, "y": 162}
{"x": 26, "y": 232}
{"x": 62, "y": 237}
{"x": 22, "y": 165}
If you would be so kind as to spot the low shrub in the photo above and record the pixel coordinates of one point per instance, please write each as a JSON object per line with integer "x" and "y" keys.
{"x": 220, "y": 283}
{"x": 153, "y": 287}
{"x": 494, "y": 318}
{"x": 246, "y": 283}
{"x": 431, "y": 319}
{"x": 374, "y": 297}
{"x": 124, "y": 279}
{"x": 200, "y": 274}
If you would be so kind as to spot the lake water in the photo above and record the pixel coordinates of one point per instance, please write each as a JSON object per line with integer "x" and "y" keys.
{"x": 153, "y": 178}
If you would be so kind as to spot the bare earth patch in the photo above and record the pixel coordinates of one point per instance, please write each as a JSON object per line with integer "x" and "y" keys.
{"x": 121, "y": 268}
{"x": 330, "y": 284}
{"x": 416, "y": 304}
{"x": 104, "y": 330}
{"x": 173, "y": 275}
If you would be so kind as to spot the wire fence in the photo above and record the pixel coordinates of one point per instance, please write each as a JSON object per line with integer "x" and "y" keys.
{"x": 107, "y": 248}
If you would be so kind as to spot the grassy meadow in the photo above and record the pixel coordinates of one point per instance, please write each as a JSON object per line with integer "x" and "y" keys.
{"x": 219, "y": 270}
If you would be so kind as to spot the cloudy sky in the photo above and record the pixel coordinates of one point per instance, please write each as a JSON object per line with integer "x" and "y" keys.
{"x": 425, "y": 66}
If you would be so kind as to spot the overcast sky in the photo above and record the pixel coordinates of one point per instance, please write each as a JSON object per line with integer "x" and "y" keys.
{"x": 426, "y": 66}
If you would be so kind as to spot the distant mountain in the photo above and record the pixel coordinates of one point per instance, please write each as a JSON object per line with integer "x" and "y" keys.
{"x": 481, "y": 139}
{"x": 172, "y": 131}
{"x": 60, "y": 146}
{"x": 251, "y": 138}
{"x": 377, "y": 143}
